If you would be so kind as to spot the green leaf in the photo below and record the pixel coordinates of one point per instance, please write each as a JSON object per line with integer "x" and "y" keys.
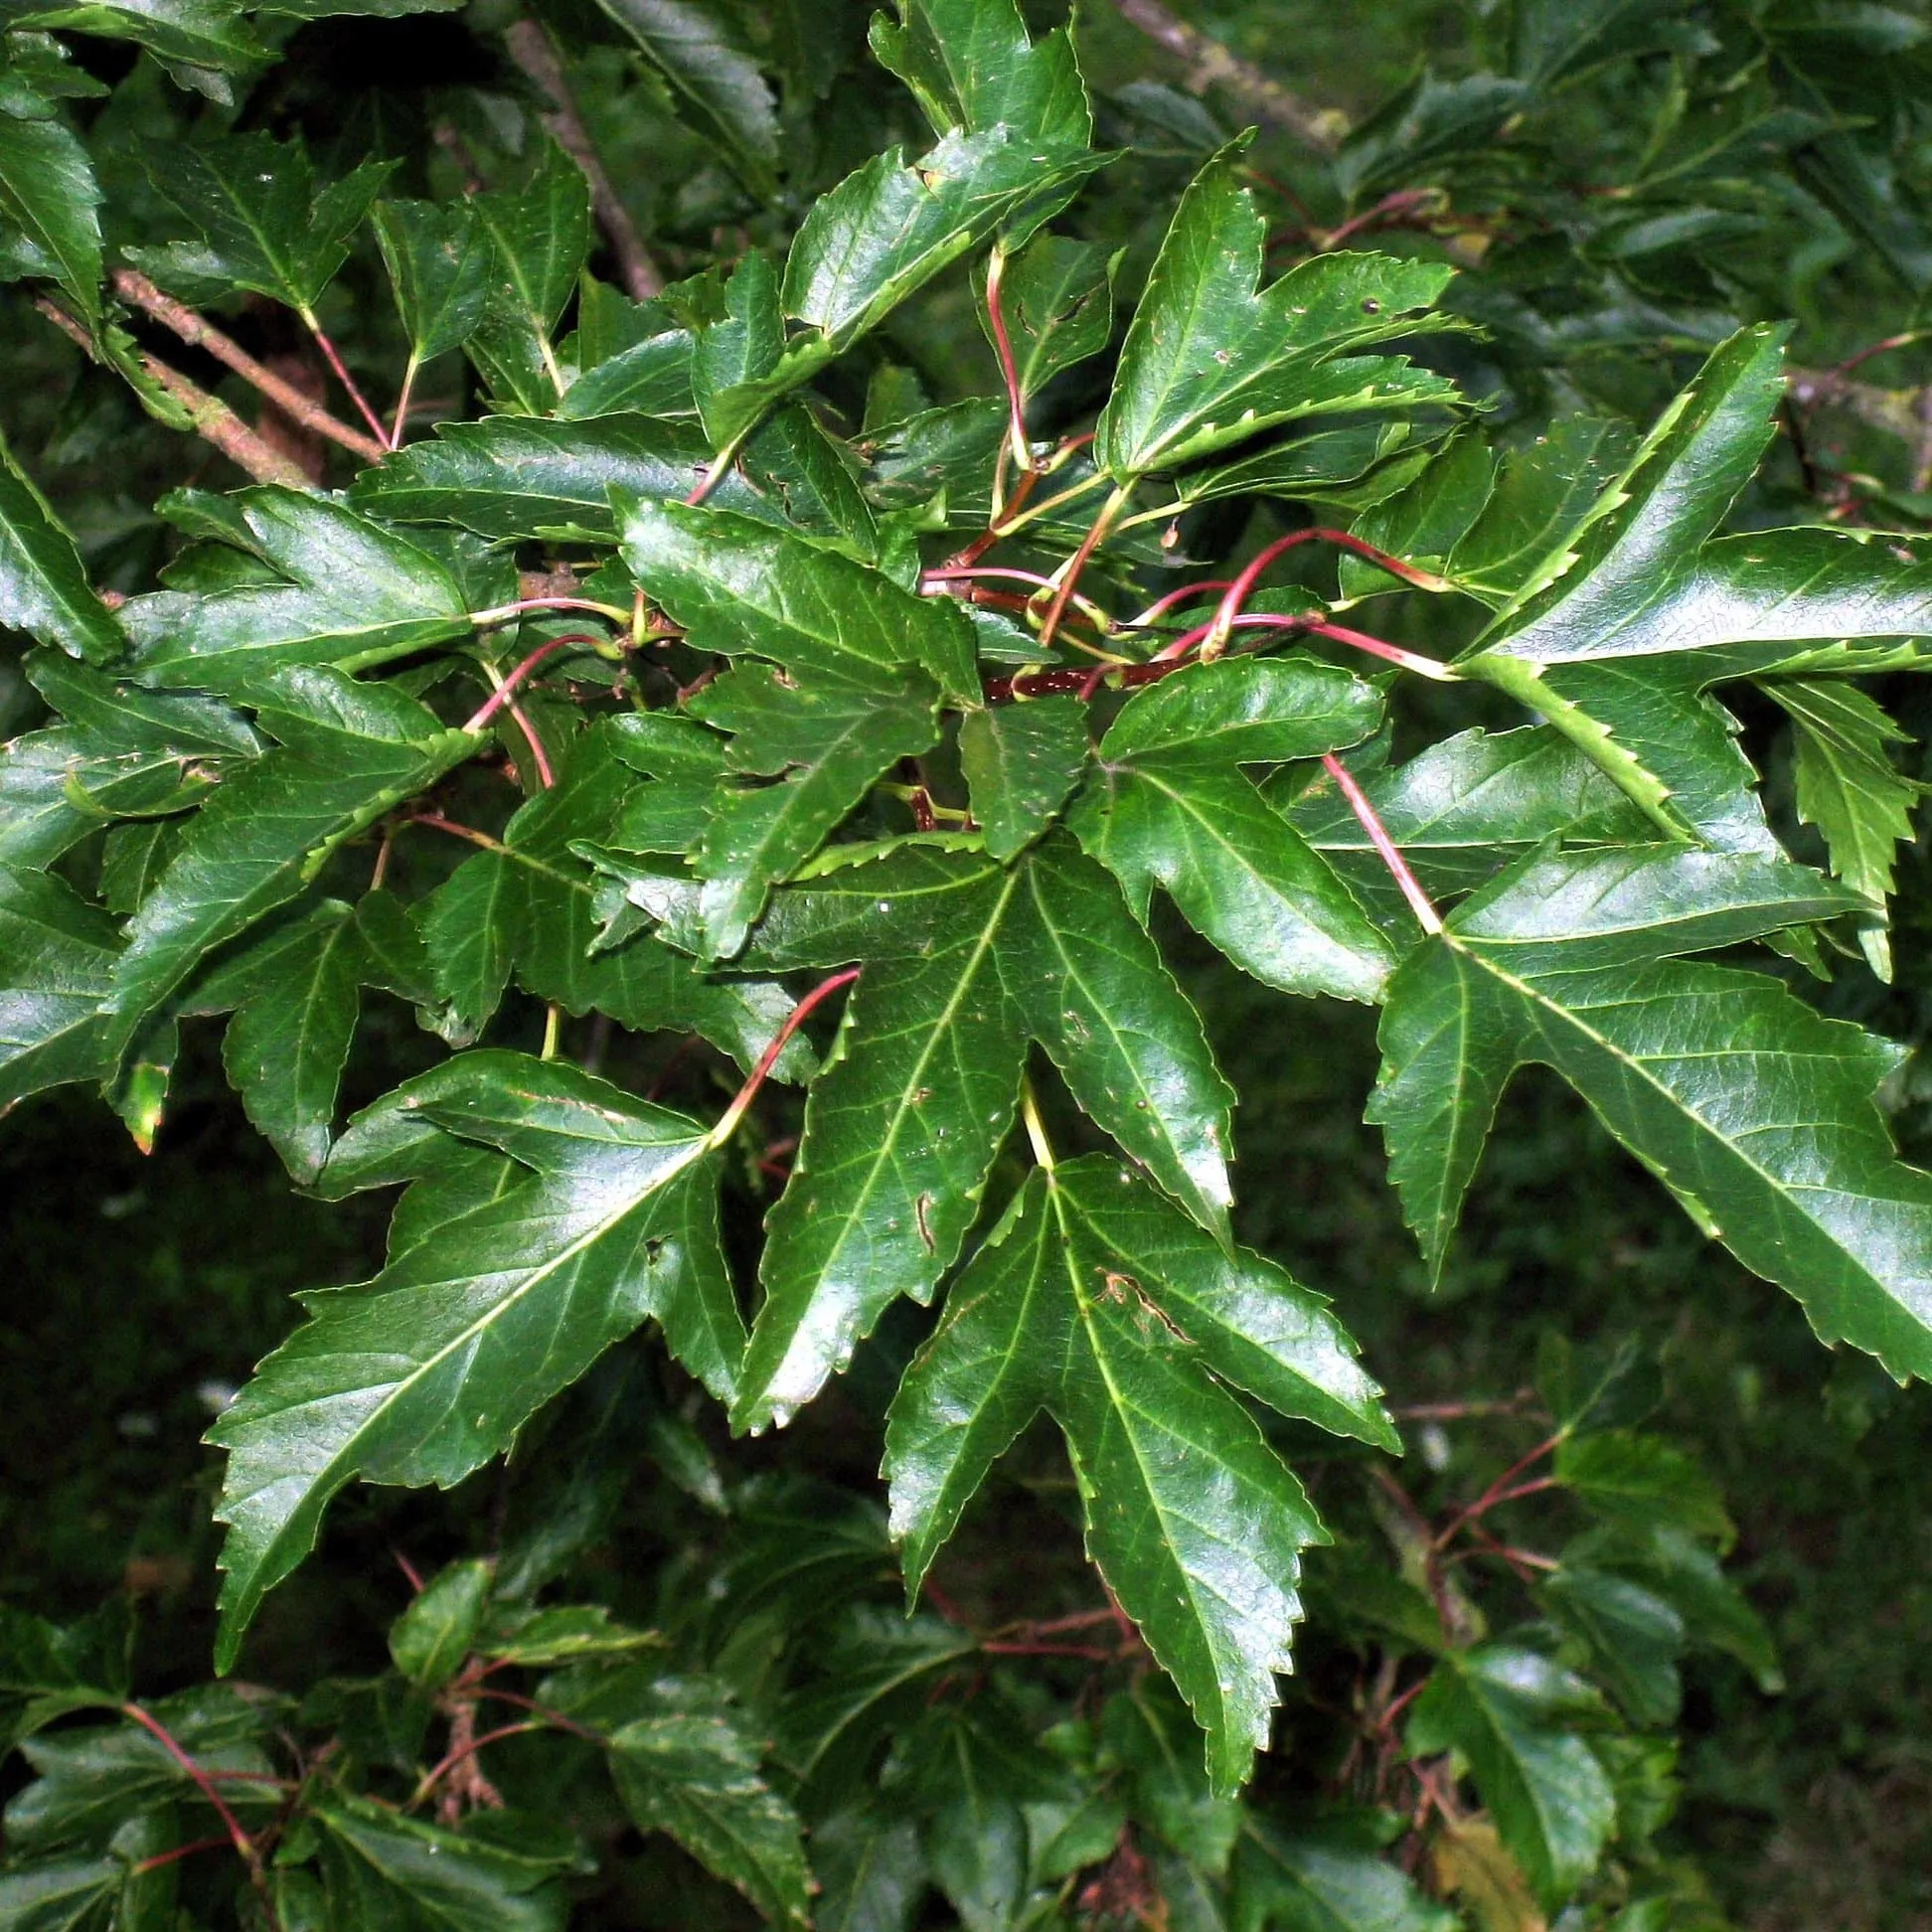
{"x": 873, "y": 1869}
{"x": 738, "y": 586}
{"x": 47, "y": 199}
{"x": 1208, "y": 362}
{"x": 541, "y": 234}
{"x": 345, "y": 590}
{"x": 1166, "y": 805}
{"x": 1145, "y": 1733}
{"x": 876, "y": 1670}
{"x": 1621, "y": 1473}
{"x": 717, "y": 88}
{"x": 684, "y": 1762}
{"x": 964, "y": 961}
{"x": 651, "y": 378}
{"x": 346, "y": 755}
{"x": 1192, "y": 1519}
{"x": 1639, "y": 539}
{"x": 490, "y": 1304}
{"x": 470, "y": 926}
{"x": 972, "y": 65}
{"x": 432, "y": 1637}
{"x": 1323, "y": 1877}
{"x": 883, "y": 233}
{"x": 296, "y": 995}
{"x": 197, "y": 39}
{"x": 1850, "y": 789}
{"x": 44, "y": 585}
{"x": 48, "y": 1671}
{"x": 385, "y": 1868}
{"x": 1020, "y": 762}
{"x": 1670, "y": 1561}
{"x": 1634, "y": 1637}
{"x": 262, "y": 223}
{"x": 90, "y": 1779}
{"x": 520, "y": 476}
{"x": 1056, "y": 299}
{"x": 60, "y": 1894}
{"x": 439, "y": 263}
{"x": 823, "y": 745}
{"x": 1542, "y": 493}
{"x": 1752, "y": 1110}
{"x": 530, "y": 910}
{"x": 57, "y": 963}
{"x": 1512, "y": 1714}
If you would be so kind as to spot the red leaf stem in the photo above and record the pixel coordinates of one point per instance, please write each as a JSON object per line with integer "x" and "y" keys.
{"x": 1009, "y": 369}
{"x": 240, "y": 1839}
{"x": 347, "y": 380}
{"x": 1426, "y": 914}
{"x": 1498, "y": 1491}
{"x": 506, "y": 691}
{"x": 1238, "y": 592}
{"x": 468, "y": 1749}
{"x": 727, "y": 1121}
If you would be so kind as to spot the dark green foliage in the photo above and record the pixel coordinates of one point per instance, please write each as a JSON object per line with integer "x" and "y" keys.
{"x": 663, "y": 524}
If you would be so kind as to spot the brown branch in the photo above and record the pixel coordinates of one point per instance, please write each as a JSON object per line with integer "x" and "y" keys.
{"x": 530, "y": 49}
{"x": 1209, "y": 64}
{"x": 208, "y": 416}
{"x": 199, "y": 333}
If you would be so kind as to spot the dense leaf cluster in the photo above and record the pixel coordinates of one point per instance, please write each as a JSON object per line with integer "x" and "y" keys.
{"x": 712, "y": 673}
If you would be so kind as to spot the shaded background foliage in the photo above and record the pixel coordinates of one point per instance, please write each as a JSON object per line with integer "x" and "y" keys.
{"x": 1618, "y": 205}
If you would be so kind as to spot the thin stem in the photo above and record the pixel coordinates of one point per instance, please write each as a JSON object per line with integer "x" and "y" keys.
{"x": 179, "y": 1852}
{"x": 1043, "y": 1148}
{"x": 200, "y": 333}
{"x": 1186, "y": 594}
{"x": 343, "y": 377}
{"x": 1017, "y": 440}
{"x": 504, "y": 692}
{"x": 720, "y": 463}
{"x": 437, "y": 822}
{"x": 503, "y": 613}
{"x": 556, "y": 1720}
{"x": 1069, "y": 571}
{"x": 1018, "y": 520}
{"x": 1238, "y": 592}
{"x": 1309, "y": 626}
{"x": 935, "y": 580}
{"x": 1498, "y": 1491}
{"x": 1426, "y": 914}
{"x": 402, "y": 402}
{"x": 552, "y": 1031}
{"x": 240, "y": 1839}
{"x": 208, "y": 416}
{"x": 452, "y": 1759}
{"x": 729, "y": 1121}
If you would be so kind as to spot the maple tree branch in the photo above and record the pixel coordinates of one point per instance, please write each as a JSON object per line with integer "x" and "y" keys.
{"x": 200, "y": 333}
{"x": 208, "y": 416}
{"x": 1209, "y": 63}
{"x": 529, "y": 46}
